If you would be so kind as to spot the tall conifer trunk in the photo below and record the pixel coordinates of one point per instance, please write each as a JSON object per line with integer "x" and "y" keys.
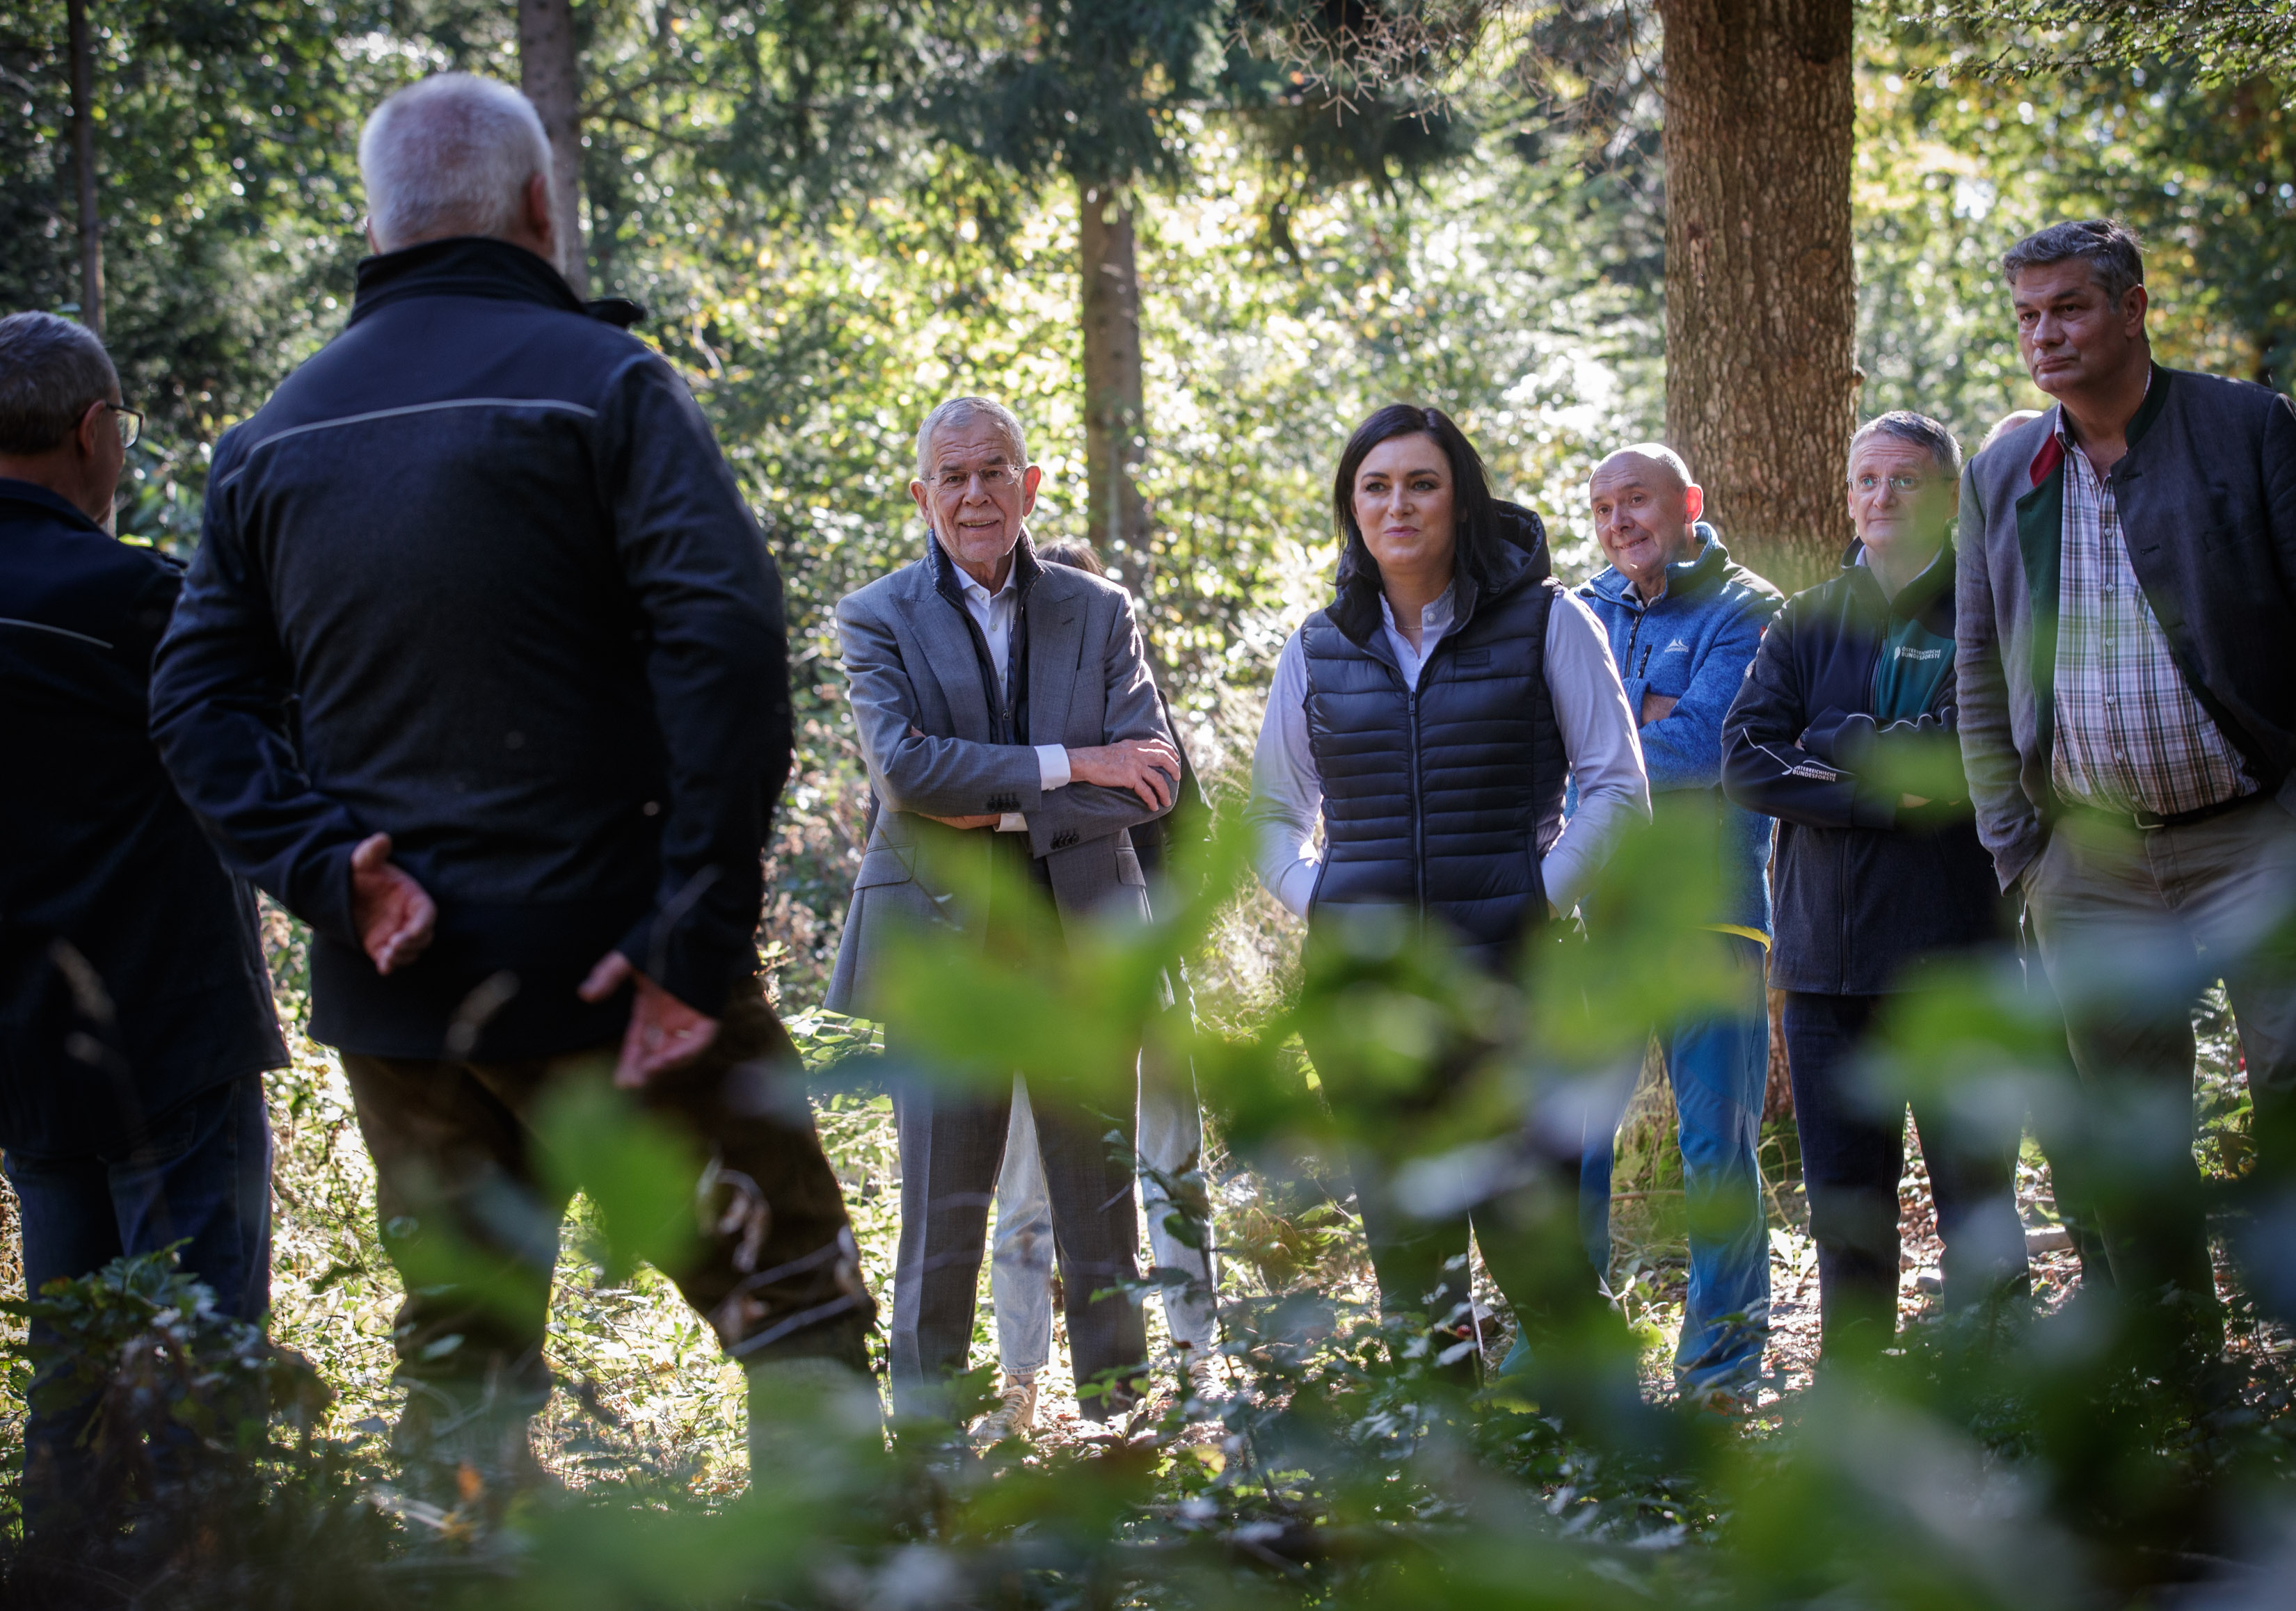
{"x": 549, "y": 73}
{"x": 1762, "y": 306}
{"x": 1116, "y": 418}
{"x": 82, "y": 46}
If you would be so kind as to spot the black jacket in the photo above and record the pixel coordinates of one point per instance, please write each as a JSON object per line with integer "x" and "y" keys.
{"x": 102, "y": 865}
{"x": 477, "y": 577}
{"x": 1858, "y": 889}
{"x": 1442, "y": 799}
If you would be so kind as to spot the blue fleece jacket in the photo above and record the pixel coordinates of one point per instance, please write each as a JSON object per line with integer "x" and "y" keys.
{"x": 1693, "y": 645}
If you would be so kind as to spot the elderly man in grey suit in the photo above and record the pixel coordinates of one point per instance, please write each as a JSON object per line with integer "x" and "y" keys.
{"x": 1006, "y": 713}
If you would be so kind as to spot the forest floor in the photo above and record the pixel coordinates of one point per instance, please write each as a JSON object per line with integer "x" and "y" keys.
{"x": 646, "y": 1399}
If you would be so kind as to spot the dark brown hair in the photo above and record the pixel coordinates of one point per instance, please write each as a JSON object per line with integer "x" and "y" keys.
{"x": 1074, "y": 552}
{"x": 1474, "y": 526}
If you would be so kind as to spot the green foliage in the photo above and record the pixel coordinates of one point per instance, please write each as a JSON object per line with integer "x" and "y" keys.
{"x": 189, "y": 1459}
{"x": 633, "y": 1167}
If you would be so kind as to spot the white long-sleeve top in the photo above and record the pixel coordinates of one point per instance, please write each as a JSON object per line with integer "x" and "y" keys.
{"x": 1590, "y": 707}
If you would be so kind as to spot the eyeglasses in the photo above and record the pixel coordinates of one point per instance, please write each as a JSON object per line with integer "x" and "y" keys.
{"x": 131, "y": 422}
{"x": 997, "y": 477}
{"x": 1906, "y": 484}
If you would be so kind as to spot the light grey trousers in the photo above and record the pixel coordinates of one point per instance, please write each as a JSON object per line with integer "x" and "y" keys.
{"x": 1021, "y": 1268}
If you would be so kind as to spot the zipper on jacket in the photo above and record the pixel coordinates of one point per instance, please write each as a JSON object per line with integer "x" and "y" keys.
{"x": 1418, "y": 806}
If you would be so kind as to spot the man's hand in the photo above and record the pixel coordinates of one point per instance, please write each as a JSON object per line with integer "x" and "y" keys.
{"x": 664, "y": 1032}
{"x": 1148, "y": 767}
{"x": 1911, "y": 802}
{"x": 1656, "y": 707}
{"x": 395, "y": 916}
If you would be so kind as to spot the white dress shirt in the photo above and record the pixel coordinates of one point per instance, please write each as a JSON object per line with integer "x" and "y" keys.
{"x": 994, "y": 614}
{"x": 1590, "y": 707}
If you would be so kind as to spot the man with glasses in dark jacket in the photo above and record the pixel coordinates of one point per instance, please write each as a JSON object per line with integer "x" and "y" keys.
{"x": 1849, "y": 707}
{"x": 481, "y": 670}
{"x": 135, "y": 1020}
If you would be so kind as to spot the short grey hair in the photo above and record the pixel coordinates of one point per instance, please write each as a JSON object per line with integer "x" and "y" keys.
{"x": 51, "y": 369}
{"x": 452, "y": 155}
{"x": 964, "y": 411}
{"x": 1657, "y": 451}
{"x": 2105, "y": 244}
{"x": 1920, "y": 430}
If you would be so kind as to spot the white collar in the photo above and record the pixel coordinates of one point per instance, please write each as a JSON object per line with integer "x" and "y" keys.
{"x": 1435, "y": 612}
{"x": 972, "y": 587}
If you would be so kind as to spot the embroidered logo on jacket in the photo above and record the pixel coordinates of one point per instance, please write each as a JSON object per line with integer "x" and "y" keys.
{"x": 1678, "y": 647}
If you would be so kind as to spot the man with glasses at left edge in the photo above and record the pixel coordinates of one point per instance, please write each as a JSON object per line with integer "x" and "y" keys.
{"x": 136, "y": 1019}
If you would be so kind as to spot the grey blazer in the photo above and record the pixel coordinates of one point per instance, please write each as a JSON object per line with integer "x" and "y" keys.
{"x": 2207, "y": 495}
{"x": 910, "y": 660}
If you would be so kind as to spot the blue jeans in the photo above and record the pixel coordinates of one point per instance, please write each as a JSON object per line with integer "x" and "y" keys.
{"x": 199, "y": 1173}
{"x": 1720, "y": 1068}
{"x": 1021, "y": 1266}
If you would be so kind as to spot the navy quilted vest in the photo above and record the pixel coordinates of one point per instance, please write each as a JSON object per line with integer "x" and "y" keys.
{"x": 1442, "y": 800}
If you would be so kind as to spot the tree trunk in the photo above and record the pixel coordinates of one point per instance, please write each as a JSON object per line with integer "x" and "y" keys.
{"x": 549, "y": 73}
{"x": 1761, "y": 309}
{"x": 83, "y": 132}
{"x": 1778, "y": 1090}
{"x": 1116, "y": 417}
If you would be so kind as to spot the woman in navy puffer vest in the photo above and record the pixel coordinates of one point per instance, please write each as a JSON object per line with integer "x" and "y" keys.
{"x": 1432, "y": 713}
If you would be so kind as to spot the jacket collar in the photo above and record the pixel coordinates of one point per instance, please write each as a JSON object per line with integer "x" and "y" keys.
{"x": 1915, "y": 596}
{"x": 461, "y": 265}
{"x": 1684, "y": 578}
{"x": 2060, "y": 438}
{"x": 12, "y": 491}
{"x": 946, "y": 581}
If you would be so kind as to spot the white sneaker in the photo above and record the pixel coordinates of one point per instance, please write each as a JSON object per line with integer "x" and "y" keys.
{"x": 1016, "y": 1416}
{"x": 1204, "y": 1384}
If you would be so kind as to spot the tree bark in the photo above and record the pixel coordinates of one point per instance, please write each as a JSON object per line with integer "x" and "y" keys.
{"x": 91, "y": 226}
{"x": 1762, "y": 307}
{"x": 1116, "y": 416}
{"x": 549, "y": 73}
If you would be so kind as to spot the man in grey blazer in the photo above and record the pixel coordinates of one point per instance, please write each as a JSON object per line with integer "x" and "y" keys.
{"x": 1008, "y": 719}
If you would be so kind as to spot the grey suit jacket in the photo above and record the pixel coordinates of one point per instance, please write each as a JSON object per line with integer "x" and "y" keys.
{"x": 910, "y": 660}
{"x": 2207, "y": 495}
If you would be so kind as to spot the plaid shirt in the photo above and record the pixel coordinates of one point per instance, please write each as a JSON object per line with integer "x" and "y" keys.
{"x": 2130, "y": 735}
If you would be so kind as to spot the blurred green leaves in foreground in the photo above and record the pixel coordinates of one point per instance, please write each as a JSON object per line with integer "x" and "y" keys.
{"x": 2003, "y": 1457}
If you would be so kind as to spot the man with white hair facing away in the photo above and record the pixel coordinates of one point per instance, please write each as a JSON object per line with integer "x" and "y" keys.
{"x": 1008, "y": 720}
{"x": 485, "y": 549}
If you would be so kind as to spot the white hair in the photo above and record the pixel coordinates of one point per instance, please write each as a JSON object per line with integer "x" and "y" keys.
{"x": 452, "y": 155}
{"x": 1658, "y": 452}
{"x": 964, "y": 411}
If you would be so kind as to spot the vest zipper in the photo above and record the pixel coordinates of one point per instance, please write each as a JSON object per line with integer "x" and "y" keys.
{"x": 1418, "y": 805}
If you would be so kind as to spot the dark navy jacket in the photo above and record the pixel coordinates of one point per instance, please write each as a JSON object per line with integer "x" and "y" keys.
{"x": 1441, "y": 799}
{"x": 1861, "y": 887}
{"x": 477, "y": 577}
{"x": 103, "y": 866}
